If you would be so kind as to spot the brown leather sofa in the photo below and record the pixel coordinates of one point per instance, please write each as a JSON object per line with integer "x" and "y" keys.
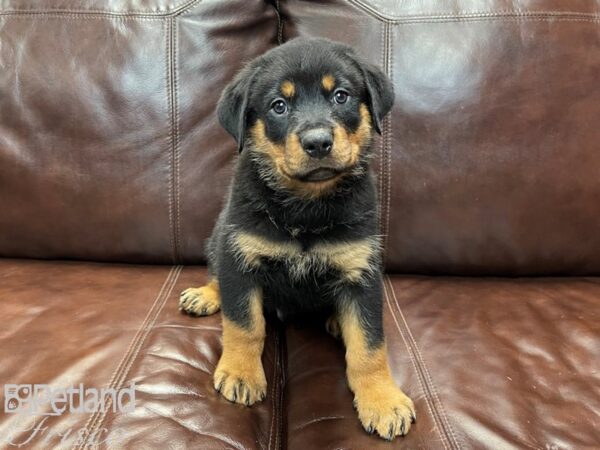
{"x": 113, "y": 168}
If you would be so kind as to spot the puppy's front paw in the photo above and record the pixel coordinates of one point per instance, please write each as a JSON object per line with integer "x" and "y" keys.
{"x": 387, "y": 412}
{"x": 202, "y": 301}
{"x": 245, "y": 386}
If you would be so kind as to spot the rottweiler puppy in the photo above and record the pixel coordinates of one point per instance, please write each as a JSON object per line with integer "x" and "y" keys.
{"x": 299, "y": 230}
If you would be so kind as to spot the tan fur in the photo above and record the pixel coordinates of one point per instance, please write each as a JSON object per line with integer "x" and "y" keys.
{"x": 295, "y": 155}
{"x": 351, "y": 259}
{"x": 289, "y": 159}
{"x": 328, "y": 82}
{"x": 363, "y": 133}
{"x": 286, "y": 160}
{"x": 262, "y": 143}
{"x": 240, "y": 376}
{"x": 382, "y": 407}
{"x": 202, "y": 301}
{"x": 347, "y": 147}
{"x": 288, "y": 89}
{"x": 296, "y": 159}
{"x": 252, "y": 248}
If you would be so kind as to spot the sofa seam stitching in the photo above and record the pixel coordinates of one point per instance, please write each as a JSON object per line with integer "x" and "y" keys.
{"x": 282, "y": 384}
{"x": 436, "y": 16}
{"x": 428, "y": 400}
{"x": 591, "y": 19}
{"x": 93, "y": 418}
{"x": 146, "y": 332}
{"x": 447, "y": 426}
{"x": 148, "y": 13}
{"x": 279, "y": 22}
{"x": 272, "y": 409}
{"x": 184, "y": 10}
{"x": 500, "y": 19}
{"x": 381, "y": 148}
{"x": 173, "y": 146}
{"x": 170, "y": 137}
{"x": 91, "y": 422}
{"x": 184, "y": 7}
{"x": 177, "y": 141}
{"x": 389, "y": 71}
{"x": 272, "y": 427}
{"x": 68, "y": 16}
{"x": 278, "y": 393}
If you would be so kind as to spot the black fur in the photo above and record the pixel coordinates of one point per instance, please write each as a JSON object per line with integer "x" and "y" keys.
{"x": 262, "y": 207}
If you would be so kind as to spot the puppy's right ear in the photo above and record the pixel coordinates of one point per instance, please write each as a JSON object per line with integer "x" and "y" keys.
{"x": 233, "y": 105}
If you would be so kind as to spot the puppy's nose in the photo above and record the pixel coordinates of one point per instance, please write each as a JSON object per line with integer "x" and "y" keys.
{"x": 317, "y": 142}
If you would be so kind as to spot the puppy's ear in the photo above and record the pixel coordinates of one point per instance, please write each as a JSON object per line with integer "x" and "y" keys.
{"x": 380, "y": 91}
{"x": 233, "y": 105}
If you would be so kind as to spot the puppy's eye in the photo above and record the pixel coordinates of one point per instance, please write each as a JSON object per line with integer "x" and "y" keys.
{"x": 340, "y": 96}
{"x": 279, "y": 106}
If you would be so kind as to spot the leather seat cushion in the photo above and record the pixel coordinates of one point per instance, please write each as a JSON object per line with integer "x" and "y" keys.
{"x": 490, "y": 363}
{"x": 108, "y": 325}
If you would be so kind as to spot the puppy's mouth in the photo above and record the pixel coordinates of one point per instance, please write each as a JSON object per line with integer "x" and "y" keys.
{"x": 320, "y": 174}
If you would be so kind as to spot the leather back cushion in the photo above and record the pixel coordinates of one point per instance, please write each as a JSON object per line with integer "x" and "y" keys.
{"x": 489, "y": 162}
{"x": 109, "y": 144}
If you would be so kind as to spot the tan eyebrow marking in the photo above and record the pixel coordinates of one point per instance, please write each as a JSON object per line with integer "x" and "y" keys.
{"x": 288, "y": 89}
{"x": 328, "y": 82}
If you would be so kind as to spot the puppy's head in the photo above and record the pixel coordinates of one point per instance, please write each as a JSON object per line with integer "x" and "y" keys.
{"x": 306, "y": 111}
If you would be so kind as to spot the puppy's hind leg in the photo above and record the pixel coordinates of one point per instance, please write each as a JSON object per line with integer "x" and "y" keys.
{"x": 202, "y": 301}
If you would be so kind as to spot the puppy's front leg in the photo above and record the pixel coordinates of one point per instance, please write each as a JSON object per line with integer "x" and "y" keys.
{"x": 382, "y": 407}
{"x": 240, "y": 376}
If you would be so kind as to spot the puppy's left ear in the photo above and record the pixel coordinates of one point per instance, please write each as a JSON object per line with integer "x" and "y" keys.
{"x": 380, "y": 91}
{"x": 233, "y": 105}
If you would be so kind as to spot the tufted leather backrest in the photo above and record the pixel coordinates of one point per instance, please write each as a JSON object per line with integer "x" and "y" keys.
{"x": 109, "y": 144}
{"x": 490, "y": 160}
{"x": 110, "y": 148}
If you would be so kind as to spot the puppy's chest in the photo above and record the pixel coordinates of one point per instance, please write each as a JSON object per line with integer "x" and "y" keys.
{"x": 350, "y": 260}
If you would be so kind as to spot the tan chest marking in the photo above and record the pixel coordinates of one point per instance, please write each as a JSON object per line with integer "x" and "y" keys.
{"x": 352, "y": 259}
{"x": 251, "y": 248}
